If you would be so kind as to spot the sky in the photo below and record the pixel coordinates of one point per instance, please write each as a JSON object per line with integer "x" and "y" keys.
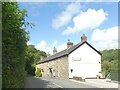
{"x": 56, "y": 22}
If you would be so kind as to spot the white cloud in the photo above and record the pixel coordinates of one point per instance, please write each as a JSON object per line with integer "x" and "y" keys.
{"x": 41, "y": 45}
{"x": 29, "y": 43}
{"x": 62, "y": 47}
{"x": 48, "y": 47}
{"x": 64, "y": 17}
{"x": 105, "y": 39}
{"x": 88, "y": 20}
{"x": 54, "y": 43}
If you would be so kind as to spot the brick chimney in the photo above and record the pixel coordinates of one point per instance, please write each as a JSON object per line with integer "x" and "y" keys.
{"x": 69, "y": 44}
{"x": 83, "y": 38}
{"x": 54, "y": 50}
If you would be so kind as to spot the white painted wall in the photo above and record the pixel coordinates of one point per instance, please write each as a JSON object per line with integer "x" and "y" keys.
{"x": 85, "y": 62}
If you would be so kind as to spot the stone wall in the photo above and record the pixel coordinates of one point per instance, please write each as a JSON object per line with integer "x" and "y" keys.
{"x": 59, "y": 68}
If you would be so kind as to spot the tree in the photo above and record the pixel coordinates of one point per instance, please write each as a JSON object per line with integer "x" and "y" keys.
{"x": 14, "y": 38}
{"x": 32, "y": 57}
{"x": 106, "y": 67}
{"x": 29, "y": 57}
{"x": 110, "y": 60}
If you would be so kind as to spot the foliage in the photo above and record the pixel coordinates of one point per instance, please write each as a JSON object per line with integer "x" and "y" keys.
{"x": 14, "y": 38}
{"x": 38, "y": 72}
{"x": 32, "y": 57}
{"x": 110, "y": 55}
{"x": 115, "y": 76}
{"x": 110, "y": 60}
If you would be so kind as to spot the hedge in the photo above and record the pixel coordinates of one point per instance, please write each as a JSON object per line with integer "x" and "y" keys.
{"x": 14, "y": 39}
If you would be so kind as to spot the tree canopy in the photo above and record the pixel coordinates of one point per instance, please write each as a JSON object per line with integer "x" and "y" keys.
{"x": 32, "y": 57}
{"x": 110, "y": 60}
{"x": 14, "y": 38}
{"x": 18, "y": 59}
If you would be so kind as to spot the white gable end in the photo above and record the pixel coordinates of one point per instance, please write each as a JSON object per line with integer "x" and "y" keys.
{"x": 84, "y": 62}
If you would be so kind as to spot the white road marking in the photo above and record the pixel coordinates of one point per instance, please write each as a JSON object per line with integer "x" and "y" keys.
{"x": 58, "y": 85}
{"x": 44, "y": 79}
{"x": 52, "y": 83}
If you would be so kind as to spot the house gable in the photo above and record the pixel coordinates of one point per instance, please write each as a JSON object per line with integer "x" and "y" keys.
{"x": 88, "y": 45}
{"x": 82, "y": 60}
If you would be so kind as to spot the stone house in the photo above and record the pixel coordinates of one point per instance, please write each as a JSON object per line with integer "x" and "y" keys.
{"x": 80, "y": 60}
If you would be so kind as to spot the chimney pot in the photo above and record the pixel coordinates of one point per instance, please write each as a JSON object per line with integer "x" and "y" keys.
{"x": 69, "y": 44}
{"x": 54, "y": 50}
{"x": 83, "y": 38}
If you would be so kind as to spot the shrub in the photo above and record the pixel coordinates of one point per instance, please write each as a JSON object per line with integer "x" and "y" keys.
{"x": 38, "y": 73}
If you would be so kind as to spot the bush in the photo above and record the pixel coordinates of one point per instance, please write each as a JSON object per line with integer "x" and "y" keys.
{"x": 38, "y": 73}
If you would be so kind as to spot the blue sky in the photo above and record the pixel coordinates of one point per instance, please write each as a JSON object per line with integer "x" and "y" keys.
{"x": 57, "y": 22}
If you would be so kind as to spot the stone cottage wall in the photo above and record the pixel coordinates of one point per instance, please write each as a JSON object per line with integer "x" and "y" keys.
{"x": 59, "y": 67}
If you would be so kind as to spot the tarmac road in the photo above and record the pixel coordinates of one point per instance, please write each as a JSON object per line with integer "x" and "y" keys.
{"x": 33, "y": 82}
{"x": 67, "y": 83}
{"x": 46, "y": 82}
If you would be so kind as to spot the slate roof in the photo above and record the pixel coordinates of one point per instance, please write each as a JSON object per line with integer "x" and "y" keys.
{"x": 66, "y": 52}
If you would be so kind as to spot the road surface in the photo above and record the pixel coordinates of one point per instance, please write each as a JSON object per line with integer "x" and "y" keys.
{"x": 33, "y": 82}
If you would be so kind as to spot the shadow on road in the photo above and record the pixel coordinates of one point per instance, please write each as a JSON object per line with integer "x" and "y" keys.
{"x": 33, "y": 82}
